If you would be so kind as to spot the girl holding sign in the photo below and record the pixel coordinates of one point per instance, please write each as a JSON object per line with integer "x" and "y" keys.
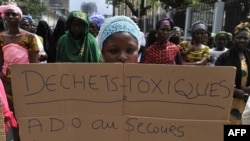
{"x": 119, "y": 40}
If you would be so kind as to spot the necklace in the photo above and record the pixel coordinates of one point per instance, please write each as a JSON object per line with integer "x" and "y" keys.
{"x": 81, "y": 51}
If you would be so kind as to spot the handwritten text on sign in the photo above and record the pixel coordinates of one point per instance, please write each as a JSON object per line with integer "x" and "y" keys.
{"x": 75, "y": 101}
{"x": 108, "y": 83}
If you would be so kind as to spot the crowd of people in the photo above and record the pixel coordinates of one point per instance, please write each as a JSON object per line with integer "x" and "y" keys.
{"x": 96, "y": 39}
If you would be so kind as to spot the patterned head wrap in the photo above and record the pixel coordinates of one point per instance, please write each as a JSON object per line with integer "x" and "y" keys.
{"x": 226, "y": 34}
{"x": 15, "y": 8}
{"x": 29, "y": 18}
{"x": 242, "y": 27}
{"x": 97, "y": 19}
{"x": 198, "y": 25}
{"x": 117, "y": 24}
{"x": 177, "y": 29}
{"x": 165, "y": 20}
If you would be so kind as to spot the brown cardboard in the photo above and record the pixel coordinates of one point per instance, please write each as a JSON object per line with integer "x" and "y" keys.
{"x": 71, "y": 128}
{"x": 114, "y": 93}
{"x": 171, "y": 91}
{"x": 162, "y": 129}
{"x": 67, "y": 89}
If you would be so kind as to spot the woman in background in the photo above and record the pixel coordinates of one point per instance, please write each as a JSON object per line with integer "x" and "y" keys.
{"x": 221, "y": 40}
{"x": 25, "y": 24}
{"x": 95, "y": 23}
{"x": 162, "y": 51}
{"x": 194, "y": 52}
{"x": 43, "y": 30}
{"x": 175, "y": 37}
{"x": 17, "y": 46}
{"x": 59, "y": 30}
{"x": 77, "y": 44}
{"x": 238, "y": 56}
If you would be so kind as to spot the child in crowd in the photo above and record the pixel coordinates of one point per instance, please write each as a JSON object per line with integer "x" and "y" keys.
{"x": 119, "y": 40}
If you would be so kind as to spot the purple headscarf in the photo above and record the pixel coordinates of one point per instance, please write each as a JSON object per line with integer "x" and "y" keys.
{"x": 97, "y": 19}
{"x": 165, "y": 20}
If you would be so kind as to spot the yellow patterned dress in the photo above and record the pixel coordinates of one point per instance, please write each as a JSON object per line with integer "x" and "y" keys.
{"x": 196, "y": 55}
{"x": 238, "y": 104}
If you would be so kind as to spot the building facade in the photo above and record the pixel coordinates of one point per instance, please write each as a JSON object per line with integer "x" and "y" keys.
{"x": 89, "y": 7}
{"x": 57, "y": 8}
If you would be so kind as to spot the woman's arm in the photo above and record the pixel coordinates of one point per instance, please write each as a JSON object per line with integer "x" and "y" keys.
{"x": 241, "y": 93}
{"x": 202, "y": 62}
{"x": 33, "y": 48}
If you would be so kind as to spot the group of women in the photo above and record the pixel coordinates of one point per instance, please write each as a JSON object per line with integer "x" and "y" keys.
{"x": 118, "y": 40}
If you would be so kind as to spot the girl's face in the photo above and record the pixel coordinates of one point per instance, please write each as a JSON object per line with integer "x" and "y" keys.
{"x": 77, "y": 28}
{"x": 120, "y": 47}
{"x": 164, "y": 31}
{"x": 200, "y": 35}
{"x": 241, "y": 39}
{"x": 25, "y": 24}
{"x": 93, "y": 29}
{"x": 12, "y": 17}
{"x": 221, "y": 41}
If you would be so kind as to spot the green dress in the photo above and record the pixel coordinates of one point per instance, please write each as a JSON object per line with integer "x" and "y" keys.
{"x": 84, "y": 49}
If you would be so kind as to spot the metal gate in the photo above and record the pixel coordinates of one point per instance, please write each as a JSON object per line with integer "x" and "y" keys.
{"x": 203, "y": 12}
{"x": 235, "y": 12}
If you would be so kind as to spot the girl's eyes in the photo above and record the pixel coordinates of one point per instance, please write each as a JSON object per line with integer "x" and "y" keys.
{"x": 11, "y": 14}
{"x": 130, "y": 50}
{"x": 127, "y": 51}
{"x": 113, "y": 51}
{"x": 166, "y": 30}
{"x": 242, "y": 38}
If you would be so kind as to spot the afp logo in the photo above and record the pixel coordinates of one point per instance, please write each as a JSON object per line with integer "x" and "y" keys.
{"x": 236, "y": 132}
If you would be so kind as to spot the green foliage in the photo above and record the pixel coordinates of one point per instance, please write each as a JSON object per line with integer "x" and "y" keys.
{"x": 32, "y": 7}
{"x": 2, "y": 2}
{"x": 143, "y": 8}
{"x": 137, "y": 7}
{"x": 169, "y": 4}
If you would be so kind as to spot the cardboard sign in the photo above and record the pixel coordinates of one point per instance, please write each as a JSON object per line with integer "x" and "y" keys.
{"x": 163, "y": 129}
{"x": 179, "y": 91}
{"x": 127, "y": 102}
{"x": 59, "y": 89}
